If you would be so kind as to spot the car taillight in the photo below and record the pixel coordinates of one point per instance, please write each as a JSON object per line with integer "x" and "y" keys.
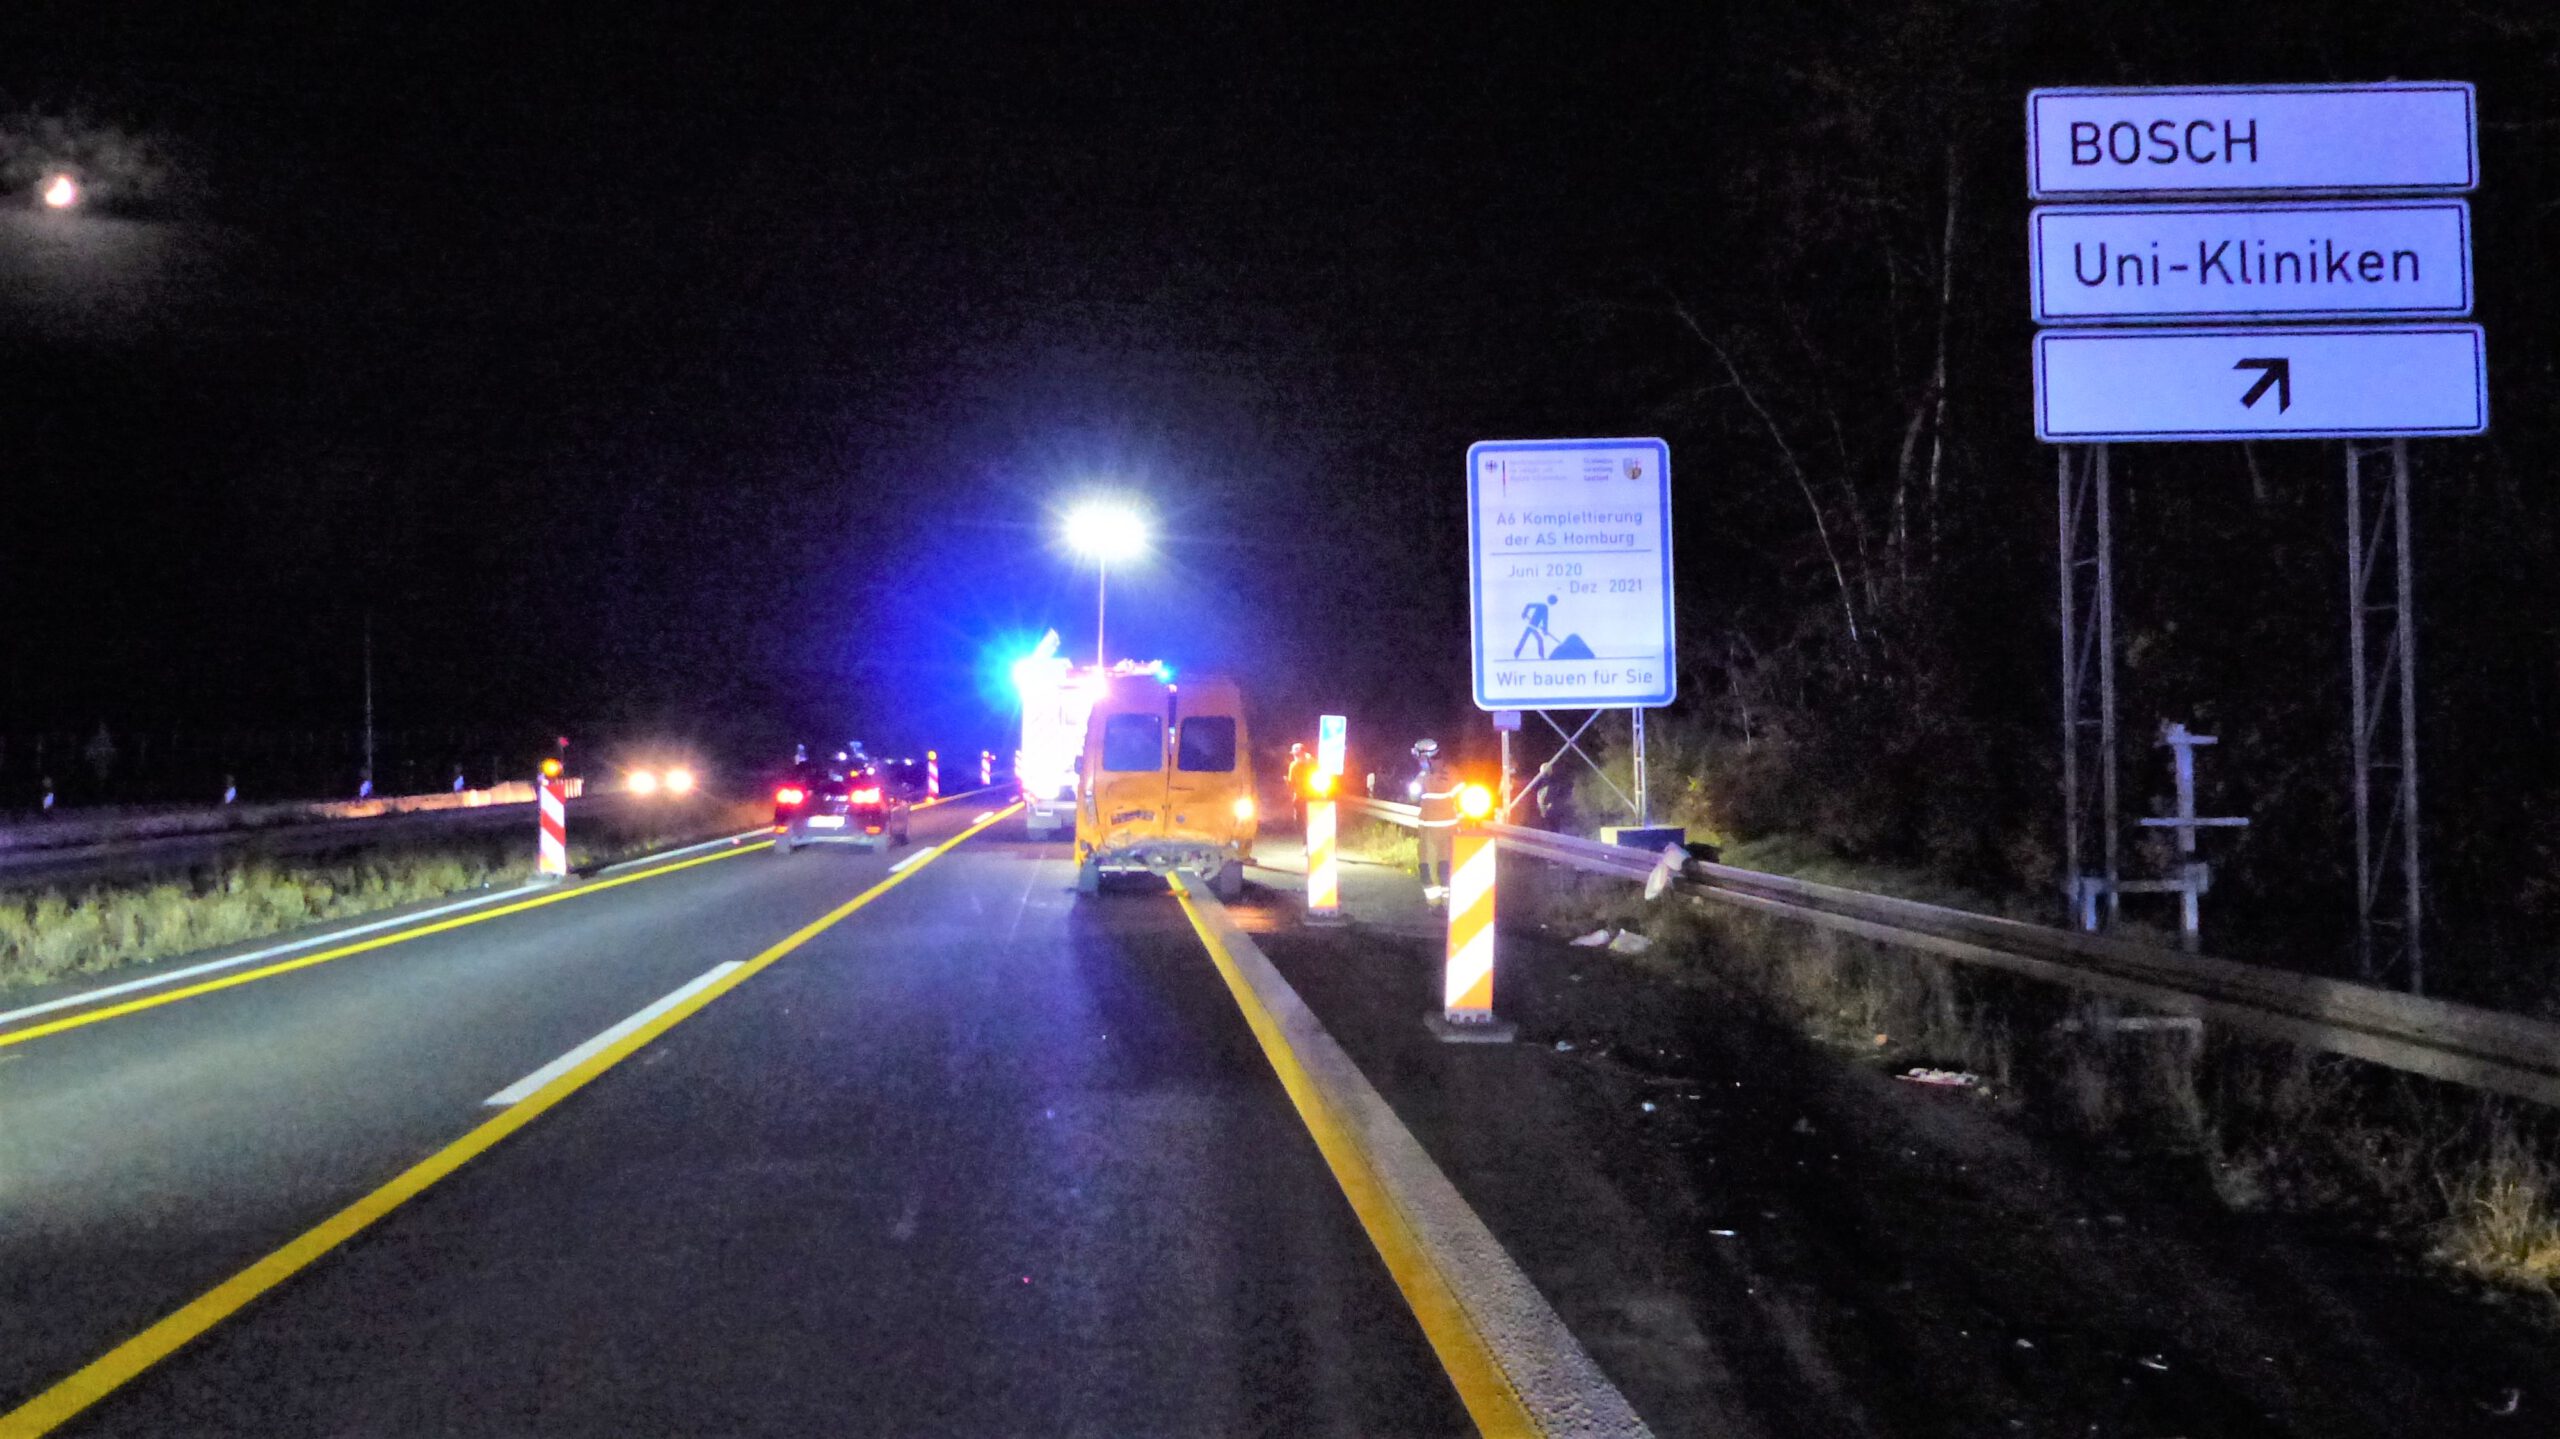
{"x": 866, "y": 796}
{"x": 789, "y": 794}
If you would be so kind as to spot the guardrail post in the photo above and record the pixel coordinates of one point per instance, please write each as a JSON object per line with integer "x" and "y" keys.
{"x": 1466, "y": 1012}
{"x": 551, "y": 801}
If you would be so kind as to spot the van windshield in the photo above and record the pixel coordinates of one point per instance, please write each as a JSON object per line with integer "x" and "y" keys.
{"x": 1208, "y": 743}
{"x": 1134, "y": 742}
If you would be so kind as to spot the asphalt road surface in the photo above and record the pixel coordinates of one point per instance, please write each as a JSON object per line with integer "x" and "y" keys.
{"x": 922, "y": 1143}
{"x": 973, "y": 1159}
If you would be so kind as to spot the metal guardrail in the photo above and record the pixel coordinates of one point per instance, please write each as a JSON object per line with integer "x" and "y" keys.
{"x": 97, "y": 849}
{"x": 73, "y": 828}
{"x": 2459, "y": 1043}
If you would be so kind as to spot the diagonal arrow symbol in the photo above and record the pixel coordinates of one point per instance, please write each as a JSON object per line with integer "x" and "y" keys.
{"x": 2278, "y": 372}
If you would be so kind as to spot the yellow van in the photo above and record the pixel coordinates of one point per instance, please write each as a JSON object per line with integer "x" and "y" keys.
{"x": 1166, "y": 783}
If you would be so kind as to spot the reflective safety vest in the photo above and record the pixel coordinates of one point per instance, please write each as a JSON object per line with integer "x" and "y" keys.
{"x": 1439, "y": 797}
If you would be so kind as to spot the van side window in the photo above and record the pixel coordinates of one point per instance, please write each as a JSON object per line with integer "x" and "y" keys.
{"x": 1133, "y": 743}
{"x": 1208, "y": 743}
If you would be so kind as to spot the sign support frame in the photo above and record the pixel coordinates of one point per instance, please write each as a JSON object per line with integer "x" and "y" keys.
{"x": 2383, "y": 717}
{"x": 2165, "y": 154}
{"x": 2083, "y": 504}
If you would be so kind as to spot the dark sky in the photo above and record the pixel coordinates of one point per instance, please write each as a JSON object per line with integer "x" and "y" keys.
{"x": 631, "y": 367}
{"x": 657, "y": 368}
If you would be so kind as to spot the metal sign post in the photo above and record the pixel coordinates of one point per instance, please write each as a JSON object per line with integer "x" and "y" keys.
{"x": 2383, "y": 700}
{"x": 2088, "y": 685}
{"x": 2193, "y": 877}
{"x": 1644, "y": 800}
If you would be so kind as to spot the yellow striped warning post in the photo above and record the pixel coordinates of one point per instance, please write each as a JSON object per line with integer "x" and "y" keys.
{"x": 1467, "y": 996}
{"x": 1324, "y": 891}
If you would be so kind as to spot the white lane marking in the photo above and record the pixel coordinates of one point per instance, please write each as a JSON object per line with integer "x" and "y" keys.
{"x": 739, "y": 837}
{"x": 911, "y": 859}
{"x": 583, "y": 1052}
{"x": 983, "y": 818}
{"x": 91, "y": 996}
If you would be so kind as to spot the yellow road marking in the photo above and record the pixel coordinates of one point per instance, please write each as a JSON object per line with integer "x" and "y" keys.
{"x": 1482, "y": 1385}
{"x": 120, "y": 1365}
{"x": 379, "y": 941}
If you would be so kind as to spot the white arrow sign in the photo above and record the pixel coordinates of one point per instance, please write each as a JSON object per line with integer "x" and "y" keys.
{"x": 2408, "y": 259}
{"x": 2237, "y": 384}
{"x": 2196, "y": 140}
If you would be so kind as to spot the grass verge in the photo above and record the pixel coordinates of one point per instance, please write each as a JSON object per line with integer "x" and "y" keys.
{"x": 48, "y": 933}
{"x": 1377, "y": 842}
{"x": 2471, "y": 1180}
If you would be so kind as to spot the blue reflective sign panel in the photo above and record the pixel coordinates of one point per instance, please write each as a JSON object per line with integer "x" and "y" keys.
{"x": 2312, "y": 382}
{"x": 2273, "y": 260}
{"x": 2404, "y": 138}
{"x": 1569, "y": 573}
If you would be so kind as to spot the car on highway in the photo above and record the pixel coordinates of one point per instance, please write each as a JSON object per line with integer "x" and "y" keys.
{"x": 846, "y": 800}
{"x": 1167, "y": 783}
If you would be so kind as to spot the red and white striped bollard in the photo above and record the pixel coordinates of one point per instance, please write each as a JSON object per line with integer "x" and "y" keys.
{"x": 550, "y": 796}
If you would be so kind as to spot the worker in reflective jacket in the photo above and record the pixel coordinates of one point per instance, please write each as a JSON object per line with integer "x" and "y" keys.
{"x": 1435, "y": 789}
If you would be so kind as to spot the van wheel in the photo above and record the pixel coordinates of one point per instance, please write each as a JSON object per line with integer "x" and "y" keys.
{"x": 1229, "y": 885}
{"x": 1089, "y": 878}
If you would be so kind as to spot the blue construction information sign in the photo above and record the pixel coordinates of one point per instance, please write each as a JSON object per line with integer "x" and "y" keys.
{"x": 1569, "y": 573}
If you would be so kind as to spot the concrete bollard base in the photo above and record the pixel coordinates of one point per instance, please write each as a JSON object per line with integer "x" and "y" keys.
{"x": 1470, "y": 1031}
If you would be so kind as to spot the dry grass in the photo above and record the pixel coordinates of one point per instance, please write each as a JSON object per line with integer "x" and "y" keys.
{"x": 2502, "y": 1216}
{"x": 1377, "y": 842}
{"x": 47, "y": 934}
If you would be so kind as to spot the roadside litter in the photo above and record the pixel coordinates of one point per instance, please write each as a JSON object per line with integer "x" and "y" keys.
{"x": 1594, "y": 939}
{"x": 1943, "y": 1078}
{"x": 1629, "y": 942}
{"x": 1665, "y": 871}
